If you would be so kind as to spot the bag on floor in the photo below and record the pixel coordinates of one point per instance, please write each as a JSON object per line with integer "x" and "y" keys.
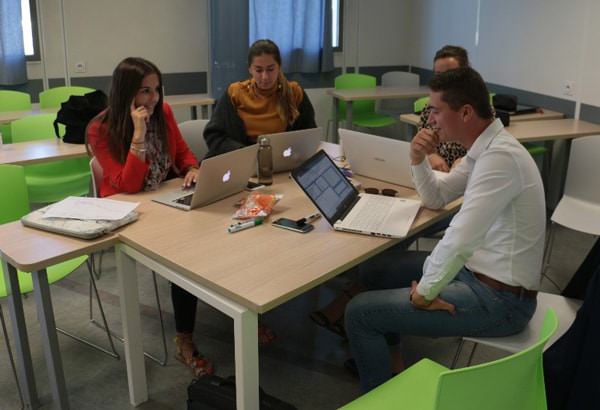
{"x": 76, "y": 113}
{"x": 217, "y": 393}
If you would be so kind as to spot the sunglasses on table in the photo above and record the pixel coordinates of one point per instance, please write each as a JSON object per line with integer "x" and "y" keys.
{"x": 384, "y": 191}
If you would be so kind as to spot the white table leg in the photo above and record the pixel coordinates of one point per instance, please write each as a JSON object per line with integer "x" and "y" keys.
{"x": 246, "y": 360}
{"x": 132, "y": 330}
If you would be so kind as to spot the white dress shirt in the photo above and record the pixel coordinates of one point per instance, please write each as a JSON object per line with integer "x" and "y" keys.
{"x": 500, "y": 228}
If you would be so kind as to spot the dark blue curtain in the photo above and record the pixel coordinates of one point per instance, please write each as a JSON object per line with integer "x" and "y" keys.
{"x": 301, "y": 29}
{"x": 228, "y": 43}
{"x": 12, "y": 54}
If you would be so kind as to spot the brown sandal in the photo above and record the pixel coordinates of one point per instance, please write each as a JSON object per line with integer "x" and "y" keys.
{"x": 196, "y": 361}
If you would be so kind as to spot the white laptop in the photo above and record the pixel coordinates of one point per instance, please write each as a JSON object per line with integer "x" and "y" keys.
{"x": 292, "y": 148}
{"x": 347, "y": 210}
{"x": 377, "y": 157}
{"x": 218, "y": 177}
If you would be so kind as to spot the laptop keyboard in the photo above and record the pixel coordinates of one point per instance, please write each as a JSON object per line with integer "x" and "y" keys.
{"x": 373, "y": 213}
{"x": 185, "y": 200}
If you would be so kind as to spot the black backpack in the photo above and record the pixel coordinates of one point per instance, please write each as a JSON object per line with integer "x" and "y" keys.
{"x": 76, "y": 113}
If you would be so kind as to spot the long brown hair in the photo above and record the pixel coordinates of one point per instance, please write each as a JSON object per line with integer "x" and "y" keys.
{"x": 126, "y": 81}
{"x": 286, "y": 109}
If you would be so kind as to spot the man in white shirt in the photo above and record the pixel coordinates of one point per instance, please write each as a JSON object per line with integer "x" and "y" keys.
{"x": 482, "y": 277}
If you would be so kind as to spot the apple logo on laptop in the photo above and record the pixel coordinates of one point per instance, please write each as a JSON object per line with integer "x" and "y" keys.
{"x": 227, "y": 176}
{"x": 287, "y": 152}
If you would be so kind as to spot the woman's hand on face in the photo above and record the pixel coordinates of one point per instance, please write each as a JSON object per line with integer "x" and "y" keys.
{"x": 190, "y": 177}
{"x": 140, "y": 117}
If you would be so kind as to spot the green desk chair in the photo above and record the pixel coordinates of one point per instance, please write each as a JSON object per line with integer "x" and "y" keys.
{"x": 420, "y": 104}
{"x": 53, "y": 97}
{"x": 515, "y": 382}
{"x": 12, "y": 101}
{"x": 50, "y": 181}
{"x": 15, "y": 204}
{"x": 363, "y": 111}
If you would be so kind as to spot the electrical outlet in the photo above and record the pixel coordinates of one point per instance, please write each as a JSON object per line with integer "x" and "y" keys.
{"x": 80, "y": 67}
{"x": 569, "y": 88}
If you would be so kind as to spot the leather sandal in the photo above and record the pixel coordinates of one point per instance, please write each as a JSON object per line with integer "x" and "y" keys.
{"x": 199, "y": 365}
{"x": 336, "y": 327}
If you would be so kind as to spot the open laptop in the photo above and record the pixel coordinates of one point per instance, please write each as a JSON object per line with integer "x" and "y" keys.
{"x": 376, "y": 157}
{"x": 218, "y": 177}
{"x": 347, "y": 210}
{"x": 292, "y": 148}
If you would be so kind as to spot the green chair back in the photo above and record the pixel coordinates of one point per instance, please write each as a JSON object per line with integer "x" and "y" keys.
{"x": 53, "y": 97}
{"x": 363, "y": 111}
{"x": 15, "y": 204}
{"x": 12, "y": 101}
{"x": 515, "y": 382}
{"x": 50, "y": 181}
{"x": 420, "y": 104}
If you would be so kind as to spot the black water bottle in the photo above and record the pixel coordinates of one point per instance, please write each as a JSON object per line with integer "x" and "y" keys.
{"x": 265, "y": 161}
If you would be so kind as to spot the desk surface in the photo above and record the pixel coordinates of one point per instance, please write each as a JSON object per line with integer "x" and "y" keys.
{"x": 415, "y": 119}
{"x": 378, "y": 93}
{"x": 551, "y": 130}
{"x": 31, "y": 152}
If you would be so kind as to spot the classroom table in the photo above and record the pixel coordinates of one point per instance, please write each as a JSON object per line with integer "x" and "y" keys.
{"x": 377, "y": 93}
{"x": 415, "y": 119}
{"x": 32, "y": 152}
{"x": 242, "y": 274}
{"x": 175, "y": 101}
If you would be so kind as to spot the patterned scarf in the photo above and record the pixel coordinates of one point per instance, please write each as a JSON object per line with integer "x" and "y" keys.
{"x": 160, "y": 161}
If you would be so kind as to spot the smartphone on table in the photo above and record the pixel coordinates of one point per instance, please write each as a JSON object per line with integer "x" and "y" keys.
{"x": 293, "y": 225}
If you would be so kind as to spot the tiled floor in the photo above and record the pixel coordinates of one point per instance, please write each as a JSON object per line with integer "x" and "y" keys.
{"x": 303, "y": 367}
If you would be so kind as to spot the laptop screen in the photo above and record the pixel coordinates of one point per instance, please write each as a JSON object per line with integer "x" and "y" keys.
{"x": 325, "y": 185}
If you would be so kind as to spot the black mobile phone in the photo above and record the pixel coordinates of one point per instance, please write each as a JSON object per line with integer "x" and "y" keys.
{"x": 292, "y": 225}
{"x": 251, "y": 186}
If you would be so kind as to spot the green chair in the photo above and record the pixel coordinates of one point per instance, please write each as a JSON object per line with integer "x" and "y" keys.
{"x": 15, "y": 204}
{"x": 515, "y": 382}
{"x": 420, "y": 104}
{"x": 12, "y": 101}
{"x": 50, "y": 181}
{"x": 53, "y": 97}
{"x": 363, "y": 111}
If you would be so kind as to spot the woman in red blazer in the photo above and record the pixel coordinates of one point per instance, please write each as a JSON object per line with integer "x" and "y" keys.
{"x": 138, "y": 145}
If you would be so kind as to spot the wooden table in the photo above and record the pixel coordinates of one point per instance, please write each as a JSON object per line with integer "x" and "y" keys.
{"x": 415, "y": 119}
{"x": 242, "y": 274}
{"x": 32, "y": 152}
{"x": 377, "y": 93}
{"x": 181, "y": 100}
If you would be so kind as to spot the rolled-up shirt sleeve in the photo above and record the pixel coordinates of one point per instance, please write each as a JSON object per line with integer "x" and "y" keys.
{"x": 494, "y": 182}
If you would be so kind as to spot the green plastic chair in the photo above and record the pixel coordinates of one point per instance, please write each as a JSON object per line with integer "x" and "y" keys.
{"x": 363, "y": 111}
{"x": 515, "y": 382}
{"x": 53, "y": 97}
{"x": 15, "y": 204}
{"x": 12, "y": 101}
{"x": 50, "y": 181}
{"x": 420, "y": 104}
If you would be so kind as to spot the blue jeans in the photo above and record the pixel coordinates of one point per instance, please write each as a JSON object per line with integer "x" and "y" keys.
{"x": 385, "y": 309}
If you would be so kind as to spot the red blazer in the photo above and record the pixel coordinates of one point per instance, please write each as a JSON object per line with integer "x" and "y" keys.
{"x": 130, "y": 176}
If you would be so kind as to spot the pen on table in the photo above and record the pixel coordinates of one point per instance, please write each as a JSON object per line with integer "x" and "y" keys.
{"x": 240, "y": 226}
{"x": 309, "y": 219}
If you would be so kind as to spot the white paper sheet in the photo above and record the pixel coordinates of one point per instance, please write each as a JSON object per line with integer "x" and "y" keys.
{"x": 75, "y": 207}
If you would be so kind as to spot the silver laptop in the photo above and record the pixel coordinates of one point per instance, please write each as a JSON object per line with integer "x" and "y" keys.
{"x": 347, "y": 210}
{"x": 292, "y": 148}
{"x": 377, "y": 157}
{"x": 218, "y": 177}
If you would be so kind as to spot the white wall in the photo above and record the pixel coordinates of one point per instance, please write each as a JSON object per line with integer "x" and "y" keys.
{"x": 534, "y": 45}
{"x": 173, "y": 34}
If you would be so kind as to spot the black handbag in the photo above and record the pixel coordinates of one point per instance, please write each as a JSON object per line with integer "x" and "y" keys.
{"x": 76, "y": 113}
{"x": 218, "y": 393}
{"x": 505, "y": 102}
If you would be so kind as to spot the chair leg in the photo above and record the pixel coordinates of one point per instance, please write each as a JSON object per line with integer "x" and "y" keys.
{"x": 112, "y": 352}
{"x": 11, "y": 358}
{"x": 472, "y": 354}
{"x": 163, "y": 361}
{"x": 457, "y": 354}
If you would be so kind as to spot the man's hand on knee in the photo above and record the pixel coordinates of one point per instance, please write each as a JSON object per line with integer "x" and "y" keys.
{"x": 419, "y": 301}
